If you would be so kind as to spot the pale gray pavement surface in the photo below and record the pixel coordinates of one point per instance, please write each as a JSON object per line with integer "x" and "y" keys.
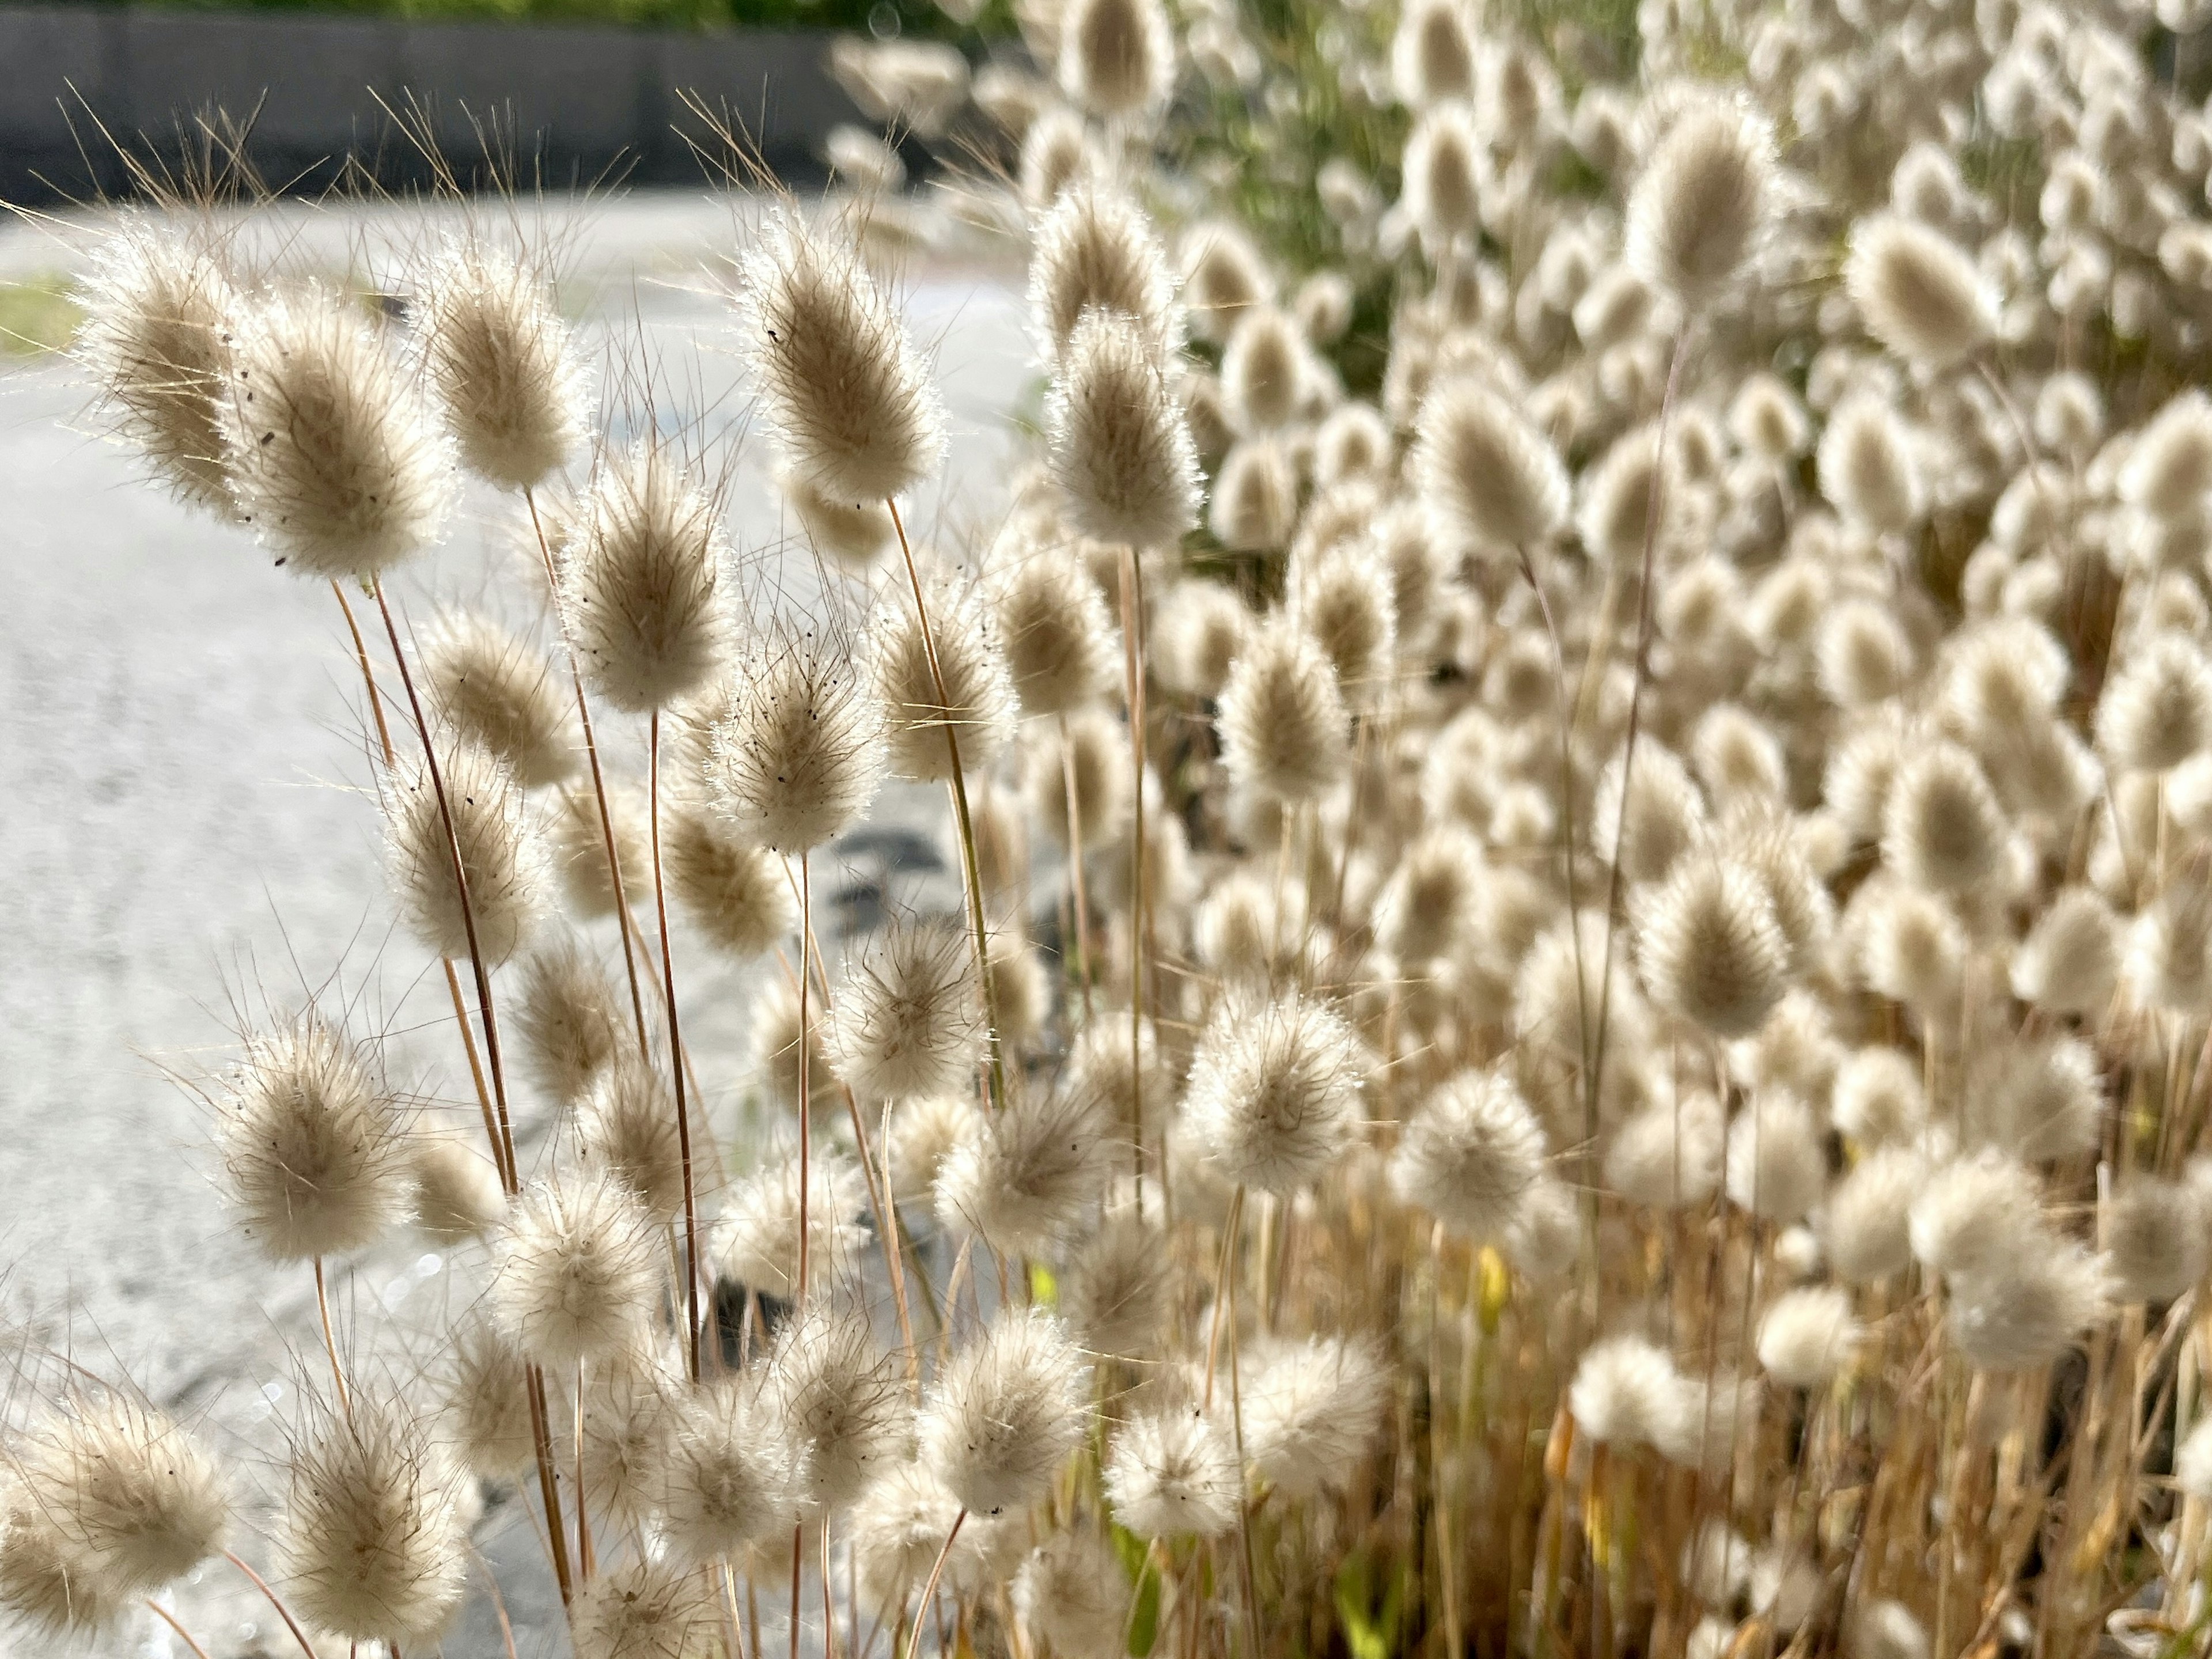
{"x": 188, "y": 838}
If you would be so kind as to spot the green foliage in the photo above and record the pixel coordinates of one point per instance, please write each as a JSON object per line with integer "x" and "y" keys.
{"x": 37, "y": 316}
{"x": 1370, "y": 1620}
{"x": 1136, "y": 1558}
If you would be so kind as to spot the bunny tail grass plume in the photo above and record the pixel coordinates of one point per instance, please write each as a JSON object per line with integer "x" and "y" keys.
{"x": 487, "y": 1401}
{"x": 1023, "y": 1175}
{"x": 576, "y": 1269}
{"x": 2156, "y": 710}
{"x": 1973, "y": 1214}
{"x": 1172, "y": 1475}
{"x": 331, "y": 458}
{"x": 759, "y": 1230}
{"x": 1056, "y": 156}
{"x": 797, "y": 748}
{"x": 1443, "y": 173}
{"x": 1808, "y": 1336}
{"x": 313, "y": 1145}
{"x": 1286, "y": 733}
{"x": 1222, "y": 275}
{"x": 1112, "y": 1291}
{"x": 156, "y": 341}
{"x": 45, "y": 1583}
{"x": 1668, "y": 1155}
{"x": 924, "y": 1132}
{"x": 2070, "y": 960}
{"x": 458, "y": 1196}
{"x": 645, "y": 1608}
{"x": 1096, "y": 250}
{"x": 1312, "y": 1410}
{"x": 776, "y": 1048}
{"x": 500, "y": 359}
{"x": 1703, "y": 202}
{"x": 1117, "y": 58}
{"x": 1866, "y": 1227}
{"x": 1092, "y": 757}
{"x": 1877, "y": 1097}
{"x": 579, "y": 838}
{"x": 729, "y": 1475}
{"x": 734, "y": 891}
{"x": 2169, "y": 470}
{"x": 499, "y": 691}
{"x": 1255, "y": 497}
{"x": 836, "y": 1392}
{"x": 1432, "y": 53}
{"x": 855, "y": 534}
{"x": 570, "y": 1024}
{"x": 909, "y": 1018}
{"x": 138, "y": 1499}
{"x": 977, "y": 703}
{"x": 1626, "y": 1393}
{"x": 626, "y": 1128}
{"x": 503, "y": 859}
{"x": 2029, "y": 1308}
{"x": 1470, "y": 1156}
{"x": 849, "y": 402}
{"x": 1274, "y": 1091}
{"x": 2152, "y": 1239}
{"x": 1942, "y": 828}
{"x": 1496, "y": 479}
{"x": 1117, "y": 443}
{"x": 629, "y": 1405}
{"x": 897, "y": 1532}
{"x": 1918, "y": 293}
{"x": 1776, "y": 1166}
{"x": 1709, "y": 948}
{"x": 1071, "y": 1592}
{"x": 1887, "y": 1630}
{"x": 1062, "y": 647}
{"x": 1202, "y": 631}
{"x": 1866, "y": 466}
{"x": 373, "y": 1543}
{"x": 638, "y": 597}
{"x": 1264, "y": 372}
{"x": 1005, "y": 1412}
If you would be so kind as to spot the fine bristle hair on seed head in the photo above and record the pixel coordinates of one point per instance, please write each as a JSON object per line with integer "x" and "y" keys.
{"x": 626, "y": 1129}
{"x": 138, "y": 1499}
{"x": 1626, "y": 1393}
{"x": 373, "y": 1541}
{"x": 2169, "y": 467}
{"x": 644, "y": 1608}
{"x": 2156, "y": 709}
{"x": 640, "y": 581}
{"x": 1668, "y": 1155}
{"x": 570, "y": 1020}
{"x": 1867, "y": 468}
{"x": 852, "y": 534}
{"x": 905, "y": 666}
{"x": 1117, "y": 441}
{"x": 155, "y": 340}
{"x": 457, "y": 1192}
{"x": 1776, "y": 1165}
{"x": 574, "y": 1269}
{"x": 1095, "y": 249}
{"x": 1171, "y": 1474}
{"x": 796, "y": 750}
{"x": 1285, "y": 728}
{"x": 1709, "y": 946}
{"x": 1703, "y": 202}
{"x": 583, "y": 817}
{"x": 499, "y": 691}
{"x": 499, "y": 357}
{"x": 1023, "y": 1177}
{"x": 1312, "y": 1411}
{"x": 1918, "y": 293}
{"x": 1866, "y": 1224}
{"x": 834, "y": 1390}
{"x": 2070, "y": 960}
{"x": 313, "y": 1142}
{"x": 1264, "y": 372}
{"x": 1255, "y": 497}
{"x": 474, "y": 802}
{"x": 1222, "y": 275}
{"x": 1497, "y": 479}
{"x": 774, "y": 1044}
{"x": 1808, "y": 1336}
{"x": 729, "y": 1475}
{"x": 1275, "y": 1090}
{"x": 1942, "y": 827}
{"x": 1004, "y": 1410}
{"x": 1471, "y": 1155}
{"x": 1072, "y": 1593}
{"x": 904, "y": 1522}
{"x": 487, "y": 1401}
{"x": 1117, "y": 58}
{"x": 737, "y": 893}
{"x": 909, "y": 1018}
{"x": 758, "y": 1237}
{"x": 1113, "y": 1292}
{"x": 1061, "y": 645}
{"x": 331, "y": 457}
{"x": 846, "y": 395}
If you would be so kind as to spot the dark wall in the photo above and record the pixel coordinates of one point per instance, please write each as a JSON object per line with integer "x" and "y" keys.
{"x": 567, "y": 102}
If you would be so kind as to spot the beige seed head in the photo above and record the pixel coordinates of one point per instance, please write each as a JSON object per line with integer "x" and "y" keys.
{"x": 499, "y": 357}
{"x": 639, "y": 579}
{"x": 1117, "y": 58}
{"x": 1918, "y": 294}
{"x": 576, "y": 1268}
{"x": 797, "y": 747}
{"x": 472, "y": 803}
{"x": 499, "y": 691}
{"x": 1095, "y": 249}
{"x": 1118, "y": 445}
{"x": 1704, "y": 202}
{"x": 1493, "y": 477}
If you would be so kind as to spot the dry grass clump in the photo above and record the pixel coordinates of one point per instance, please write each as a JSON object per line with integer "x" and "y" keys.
{"x": 1582, "y": 771}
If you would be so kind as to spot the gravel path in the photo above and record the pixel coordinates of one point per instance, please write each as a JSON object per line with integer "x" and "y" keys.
{"x": 189, "y": 839}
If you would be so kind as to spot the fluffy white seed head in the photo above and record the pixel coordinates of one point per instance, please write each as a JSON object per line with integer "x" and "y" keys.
{"x": 1669, "y": 1154}
{"x": 1097, "y": 249}
{"x": 1117, "y": 442}
{"x": 638, "y": 576}
{"x": 156, "y": 340}
{"x": 735, "y": 893}
{"x": 1072, "y": 1593}
{"x": 2071, "y": 959}
{"x": 1274, "y": 1090}
{"x": 1776, "y": 1165}
{"x": 373, "y": 1540}
{"x": 499, "y": 356}
{"x": 1471, "y": 1155}
{"x": 1498, "y": 482}
{"x": 852, "y": 534}
{"x": 1024, "y": 1176}
{"x": 2026, "y": 1312}
{"x": 1312, "y": 1411}
{"x": 570, "y": 1021}
{"x": 1172, "y": 1473}
{"x": 498, "y": 690}
{"x": 1703, "y": 202}
{"x": 1061, "y": 645}
{"x": 1973, "y": 1214}
{"x": 1442, "y": 170}
{"x": 1709, "y": 947}
{"x": 457, "y": 1192}
{"x": 759, "y": 1234}
{"x": 1285, "y": 728}
{"x": 1432, "y": 53}
{"x": 1878, "y": 1097}
{"x": 313, "y": 1143}
{"x": 1255, "y": 497}
{"x": 950, "y": 680}
{"x": 331, "y": 457}
{"x": 626, "y": 1126}
{"x": 898, "y": 1530}
{"x": 1117, "y": 58}
{"x": 835, "y": 1392}
{"x": 487, "y": 1401}
{"x": 796, "y": 749}
{"x": 1224, "y": 275}
{"x": 1942, "y": 827}
{"x": 775, "y": 1044}
{"x": 576, "y": 1268}
{"x": 1112, "y": 1293}
{"x": 2169, "y": 466}
{"x": 1626, "y": 1394}
{"x": 135, "y": 1500}
{"x": 846, "y": 394}
{"x": 1808, "y": 1336}
{"x": 729, "y": 1473}
{"x": 1867, "y": 468}
{"x": 645, "y": 1608}
{"x": 473, "y": 803}
{"x": 1918, "y": 293}
{"x": 2154, "y": 1238}
{"x": 1004, "y": 1410}
{"x": 2156, "y": 711}
{"x": 1866, "y": 1226}
{"x": 909, "y": 1018}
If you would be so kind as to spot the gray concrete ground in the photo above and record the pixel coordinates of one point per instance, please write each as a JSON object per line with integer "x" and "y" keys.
{"x": 189, "y": 840}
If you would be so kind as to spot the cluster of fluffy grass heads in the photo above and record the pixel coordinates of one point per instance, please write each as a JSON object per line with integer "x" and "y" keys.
{"x": 1583, "y": 797}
